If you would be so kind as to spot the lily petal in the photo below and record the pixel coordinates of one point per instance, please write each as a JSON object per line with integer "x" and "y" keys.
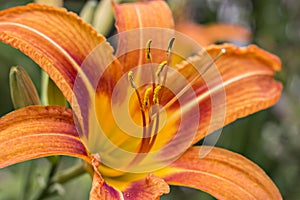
{"x": 247, "y": 79}
{"x": 59, "y": 42}
{"x": 151, "y": 187}
{"x": 223, "y": 174}
{"x": 100, "y": 190}
{"x": 129, "y": 16}
{"x": 55, "y": 39}
{"x": 143, "y": 14}
{"x": 133, "y": 16}
{"x": 38, "y": 131}
{"x": 209, "y": 34}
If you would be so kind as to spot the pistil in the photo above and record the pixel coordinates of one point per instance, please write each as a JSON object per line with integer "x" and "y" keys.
{"x": 205, "y": 69}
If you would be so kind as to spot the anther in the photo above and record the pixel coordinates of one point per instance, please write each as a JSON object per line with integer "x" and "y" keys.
{"x": 160, "y": 68}
{"x": 148, "y": 50}
{"x": 146, "y": 97}
{"x": 156, "y": 94}
{"x": 170, "y": 46}
{"x": 130, "y": 79}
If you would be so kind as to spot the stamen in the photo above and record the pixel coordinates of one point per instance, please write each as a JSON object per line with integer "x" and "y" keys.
{"x": 169, "y": 57}
{"x": 160, "y": 68}
{"x": 146, "y": 97}
{"x": 148, "y": 50}
{"x": 156, "y": 113}
{"x": 130, "y": 79}
{"x": 149, "y": 58}
{"x": 150, "y": 132}
{"x": 170, "y": 46}
{"x": 156, "y": 94}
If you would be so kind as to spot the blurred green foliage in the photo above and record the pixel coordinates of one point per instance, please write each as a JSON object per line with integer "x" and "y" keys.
{"x": 269, "y": 138}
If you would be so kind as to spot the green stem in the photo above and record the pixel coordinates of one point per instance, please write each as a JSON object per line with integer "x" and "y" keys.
{"x": 60, "y": 178}
{"x": 69, "y": 174}
{"x": 28, "y": 169}
{"x": 44, "y": 191}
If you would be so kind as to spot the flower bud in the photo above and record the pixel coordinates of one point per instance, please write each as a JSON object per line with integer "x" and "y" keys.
{"x": 22, "y": 90}
{"x": 103, "y": 17}
{"x": 50, "y": 93}
{"x": 56, "y": 3}
{"x": 88, "y": 11}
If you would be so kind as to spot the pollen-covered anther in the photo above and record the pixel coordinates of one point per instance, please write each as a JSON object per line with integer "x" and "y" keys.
{"x": 160, "y": 68}
{"x": 156, "y": 94}
{"x": 148, "y": 50}
{"x": 147, "y": 97}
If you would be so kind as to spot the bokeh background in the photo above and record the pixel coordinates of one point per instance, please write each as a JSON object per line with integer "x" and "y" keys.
{"x": 270, "y": 138}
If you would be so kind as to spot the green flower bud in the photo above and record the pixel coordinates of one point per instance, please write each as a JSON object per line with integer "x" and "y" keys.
{"x": 88, "y": 11}
{"x": 50, "y": 93}
{"x": 103, "y": 18}
{"x": 56, "y": 3}
{"x": 22, "y": 90}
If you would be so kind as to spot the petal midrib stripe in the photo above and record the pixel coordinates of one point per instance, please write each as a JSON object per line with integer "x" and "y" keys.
{"x": 57, "y": 47}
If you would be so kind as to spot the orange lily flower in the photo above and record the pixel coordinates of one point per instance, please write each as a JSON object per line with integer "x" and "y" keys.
{"x": 60, "y": 42}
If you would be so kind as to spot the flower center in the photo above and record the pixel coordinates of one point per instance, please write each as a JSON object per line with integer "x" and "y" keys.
{"x": 149, "y": 104}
